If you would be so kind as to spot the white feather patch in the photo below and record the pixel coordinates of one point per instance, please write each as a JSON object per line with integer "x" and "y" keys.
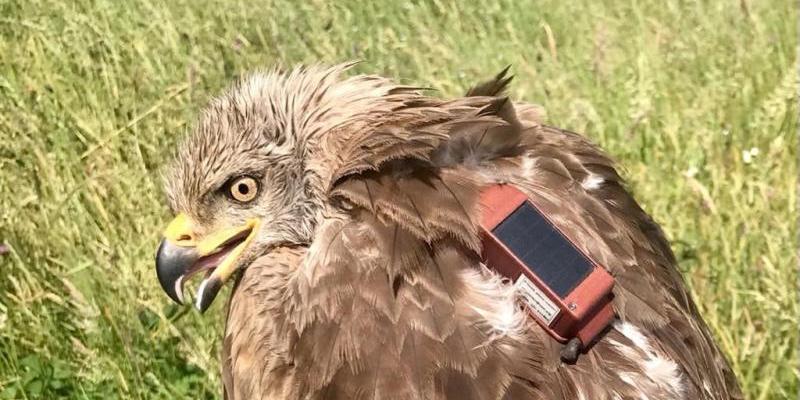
{"x": 592, "y": 182}
{"x": 495, "y": 301}
{"x": 528, "y": 165}
{"x": 658, "y": 370}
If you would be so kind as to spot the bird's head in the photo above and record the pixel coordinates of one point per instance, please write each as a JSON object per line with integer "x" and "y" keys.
{"x": 255, "y": 172}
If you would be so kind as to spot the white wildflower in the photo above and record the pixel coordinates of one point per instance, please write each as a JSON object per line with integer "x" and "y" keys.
{"x": 749, "y": 154}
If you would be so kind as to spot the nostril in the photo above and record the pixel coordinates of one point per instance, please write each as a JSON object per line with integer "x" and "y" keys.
{"x": 184, "y": 238}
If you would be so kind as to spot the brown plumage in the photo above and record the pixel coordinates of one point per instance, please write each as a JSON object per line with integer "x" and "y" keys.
{"x": 361, "y": 276}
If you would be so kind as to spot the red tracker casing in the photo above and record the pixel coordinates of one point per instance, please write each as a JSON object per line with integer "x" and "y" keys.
{"x": 562, "y": 288}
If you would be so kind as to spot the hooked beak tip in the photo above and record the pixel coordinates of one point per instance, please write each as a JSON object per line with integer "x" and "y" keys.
{"x": 172, "y": 262}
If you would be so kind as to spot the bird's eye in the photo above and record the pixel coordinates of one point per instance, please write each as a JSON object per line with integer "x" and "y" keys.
{"x": 243, "y": 189}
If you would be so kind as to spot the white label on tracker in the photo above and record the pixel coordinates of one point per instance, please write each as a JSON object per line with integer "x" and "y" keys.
{"x": 536, "y": 300}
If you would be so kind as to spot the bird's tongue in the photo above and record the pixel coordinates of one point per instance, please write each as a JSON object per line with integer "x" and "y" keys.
{"x": 209, "y": 262}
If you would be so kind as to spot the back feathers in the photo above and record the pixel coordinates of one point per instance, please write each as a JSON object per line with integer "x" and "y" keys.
{"x": 391, "y": 301}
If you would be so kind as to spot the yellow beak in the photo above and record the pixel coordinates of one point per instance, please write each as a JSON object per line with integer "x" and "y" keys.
{"x": 180, "y": 255}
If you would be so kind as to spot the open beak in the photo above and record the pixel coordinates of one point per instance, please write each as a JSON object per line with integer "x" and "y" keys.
{"x": 180, "y": 256}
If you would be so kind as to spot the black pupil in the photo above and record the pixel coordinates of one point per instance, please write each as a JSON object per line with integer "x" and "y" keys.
{"x": 243, "y": 188}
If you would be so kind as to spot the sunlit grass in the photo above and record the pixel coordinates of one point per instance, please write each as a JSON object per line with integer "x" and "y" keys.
{"x": 697, "y": 101}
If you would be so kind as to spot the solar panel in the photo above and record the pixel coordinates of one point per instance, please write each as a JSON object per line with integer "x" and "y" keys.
{"x": 543, "y": 249}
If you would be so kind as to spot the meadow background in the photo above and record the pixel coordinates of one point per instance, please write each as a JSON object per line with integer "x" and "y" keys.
{"x": 696, "y": 99}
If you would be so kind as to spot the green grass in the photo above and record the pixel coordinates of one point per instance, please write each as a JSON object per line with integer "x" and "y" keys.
{"x": 94, "y": 95}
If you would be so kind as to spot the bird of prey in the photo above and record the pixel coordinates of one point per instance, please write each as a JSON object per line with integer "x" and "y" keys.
{"x": 345, "y": 213}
